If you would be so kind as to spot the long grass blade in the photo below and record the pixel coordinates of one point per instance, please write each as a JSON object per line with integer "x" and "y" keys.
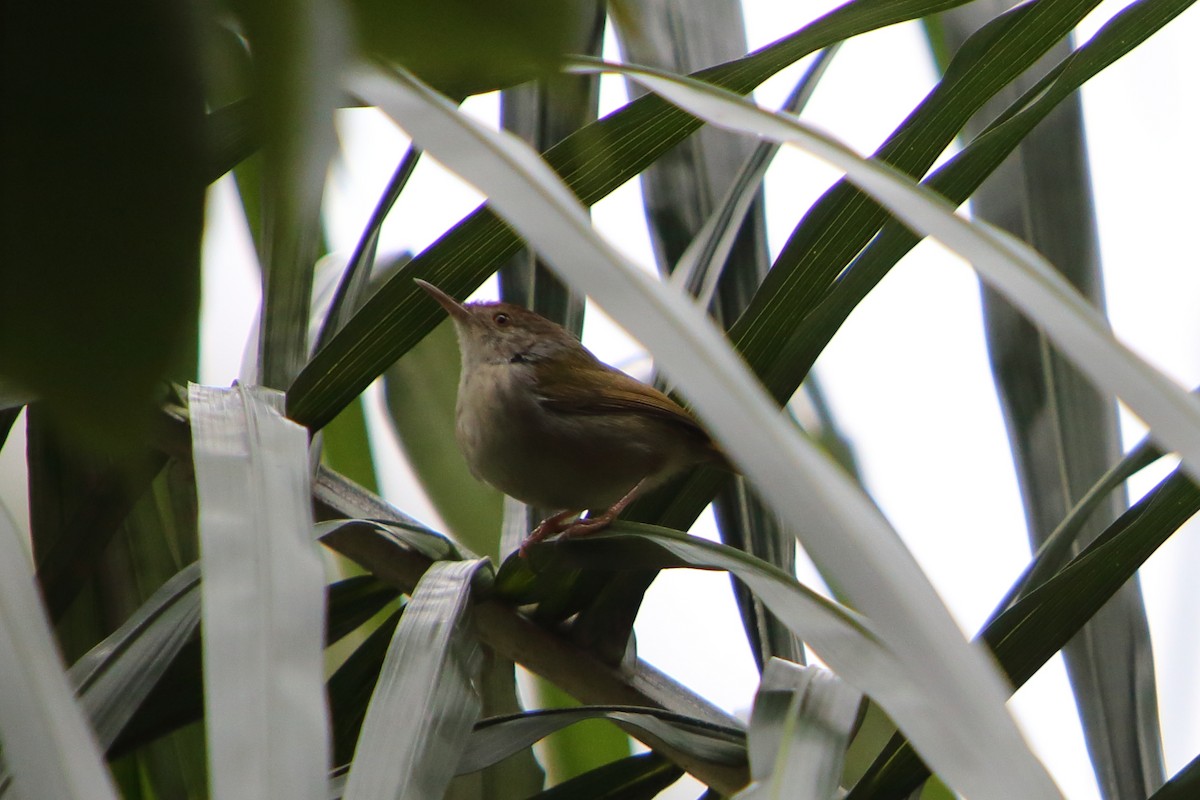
{"x": 1006, "y": 263}
{"x": 262, "y": 597}
{"x": 593, "y": 162}
{"x": 352, "y": 287}
{"x": 117, "y": 675}
{"x": 845, "y": 532}
{"x": 1064, "y": 434}
{"x": 299, "y": 49}
{"x": 425, "y": 701}
{"x": 1037, "y": 626}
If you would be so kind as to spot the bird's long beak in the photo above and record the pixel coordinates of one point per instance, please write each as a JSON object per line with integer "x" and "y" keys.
{"x": 455, "y": 309}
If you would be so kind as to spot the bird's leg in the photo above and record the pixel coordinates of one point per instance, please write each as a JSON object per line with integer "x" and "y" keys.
{"x": 582, "y": 527}
{"x": 592, "y": 524}
{"x": 547, "y": 527}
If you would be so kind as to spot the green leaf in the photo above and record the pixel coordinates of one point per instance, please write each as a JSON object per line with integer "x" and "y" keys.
{"x": 1064, "y": 433}
{"x": 797, "y": 296}
{"x": 577, "y": 749}
{"x": 1059, "y": 547}
{"x": 425, "y": 700}
{"x": 1036, "y": 627}
{"x": 843, "y": 639}
{"x": 511, "y": 635}
{"x": 346, "y": 447}
{"x": 231, "y": 137}
{"x": 356, "y": 279}
{"x": 102, "y": 213}
{"x": 115, "y": 677}
{"x": 846, "y": 533}
{"x": 298, "y": 48}
{"x": 1184, "y": 785}
{"x": 593, "y": 162}
{"x": 262, "y": 596}
{"x": 1007, "y": 264}
{"x": 351, "y": 686}
{"x": 467, "y": 46}
{"x": 77, "y": 504}
{"x": 520, "y": 775}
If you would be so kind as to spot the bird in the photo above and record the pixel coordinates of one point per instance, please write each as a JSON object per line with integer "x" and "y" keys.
{"x": 543, "y": 420}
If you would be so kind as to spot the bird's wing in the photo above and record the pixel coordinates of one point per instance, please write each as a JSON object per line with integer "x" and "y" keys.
{"x": 605, "y": 390}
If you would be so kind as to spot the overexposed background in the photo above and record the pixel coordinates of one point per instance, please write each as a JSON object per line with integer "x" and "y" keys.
{"x": 918, "y": 404}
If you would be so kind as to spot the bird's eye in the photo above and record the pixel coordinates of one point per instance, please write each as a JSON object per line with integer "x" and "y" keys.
{"x": 501, "y": 319}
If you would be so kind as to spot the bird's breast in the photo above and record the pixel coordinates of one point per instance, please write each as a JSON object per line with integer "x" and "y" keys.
{"x": 546, "y": 458}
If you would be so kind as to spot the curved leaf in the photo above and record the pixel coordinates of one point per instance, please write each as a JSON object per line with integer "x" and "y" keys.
{"x": 48, "y": 747}
{"x": 1006, "y": 263}
{"x": 593, "y": 162}
{"x": 845, "y": 533}
{"x": 425, "y": 701}
{"x": 639, "y": 777}
{"x": 1037, "y": 626}
{"x": 499, "y": 737}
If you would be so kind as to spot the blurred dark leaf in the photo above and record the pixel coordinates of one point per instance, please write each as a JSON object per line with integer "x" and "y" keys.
{"x": 1184, "y": 786}
{"x": 298, "y": 49}
{"x": 351, "y": 686}
{"x": 77, "y": 502}
{"x": 464, "y": 47}
{"x": 231, "y": 135}
{"x": 103, "y": 207}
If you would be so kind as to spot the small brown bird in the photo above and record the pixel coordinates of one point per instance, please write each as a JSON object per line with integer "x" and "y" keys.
{"x": 543, "y": 420}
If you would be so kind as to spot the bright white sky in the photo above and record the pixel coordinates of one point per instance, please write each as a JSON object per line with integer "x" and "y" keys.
{"x": 918, "y": 403}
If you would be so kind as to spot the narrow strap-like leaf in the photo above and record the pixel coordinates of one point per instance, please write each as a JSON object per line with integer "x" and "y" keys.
{"x": 115, "y": 677}
{"x": 593, "y": 162}
{"x": 352, "y": 287}
{"x": 640, "y": 777}
{"x": 1063, "y": 433}
{"x": 262, "y": 597}
{"x": 497, "y": 738}
{"x": 845, "y": 532}
{"x": 425, "y": 701}
{"x": 48, "y": 747}
{"x": 1037, "y": 626}
{"x": 298, "y": 54}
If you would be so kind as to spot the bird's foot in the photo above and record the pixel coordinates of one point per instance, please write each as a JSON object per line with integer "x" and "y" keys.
{"x": 546, "y": 528}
